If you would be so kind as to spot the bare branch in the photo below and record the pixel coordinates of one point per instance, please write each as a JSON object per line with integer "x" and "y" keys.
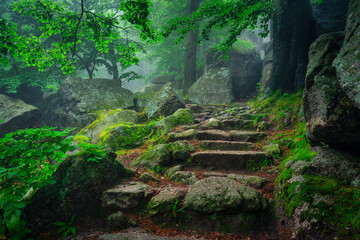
{"x": 77, "y": 27}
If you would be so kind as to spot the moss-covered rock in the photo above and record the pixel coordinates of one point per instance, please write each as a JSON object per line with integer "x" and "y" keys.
{"x": 117, "y": 221}
{"x": 185, "y": 177}
{"x": 272, "y": 149}
{"x": 165, "y": 201}
{"x": 108, "y": 120}
{"x": 216, "y": 194}
{"x": 78, "y": 188}
{"x": 332, "y": 117}
{"x": 164, "y": 103}
{"x": 182, "y": 116}
{"x": 153, "y": 158}
{"x": 124, "y": 136}
{"x": 319, "y": 197}
{"x": 347, "y": 62}
{"x": 147, "y": 177}
{"x": 168, "y": 173}
{"x": 180, "y": 150}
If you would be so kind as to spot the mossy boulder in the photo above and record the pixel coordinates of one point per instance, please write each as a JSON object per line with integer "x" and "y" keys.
{"x": 147, "y": 177}
{"x": 182, "y": 116}
{"x": 117, "y": 221}
{"x": 165, "y": 201}
{"x": 272, "y": 149}
{"x": 153, "y": 158}
{"x": 185, "y": 177}
{"x": 78, "y": 188}
{"x": 78, "y": 99}
{"x": 107, "y": 120}
{"x": 168, "y": 173}
{"x": 17, "y": 115}
{"x": 217, "y": 194}
{"x": 180, "y": 150}
{"x": 124, "y": 136}
{"x": 164, "y": 103}
{"x": 214, "y": 87}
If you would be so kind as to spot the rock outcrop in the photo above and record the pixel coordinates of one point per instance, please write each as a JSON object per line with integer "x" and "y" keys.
{"x": 347, "y": 62}
{"x": 77, "y": 99}
{"x": 17, "y": 115}
{"x": 78, "y": 188}
{"x": 214, "y": 87}
{"x": 332, "y": 116}
{"x": 164, "y": 103}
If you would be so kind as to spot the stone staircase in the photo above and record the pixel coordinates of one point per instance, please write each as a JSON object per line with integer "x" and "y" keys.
{"x": 213, "y": 190}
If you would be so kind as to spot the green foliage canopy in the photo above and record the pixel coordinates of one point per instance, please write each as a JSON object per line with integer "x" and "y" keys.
{"x": 56, "y": 20}
{"x": 236, "y": 15}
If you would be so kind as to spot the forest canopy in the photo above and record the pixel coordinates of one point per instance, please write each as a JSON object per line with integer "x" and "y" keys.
{"x": 58, "y": 37}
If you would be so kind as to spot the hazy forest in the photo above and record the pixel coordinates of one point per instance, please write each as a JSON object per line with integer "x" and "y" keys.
{"x": 180, "y": 119}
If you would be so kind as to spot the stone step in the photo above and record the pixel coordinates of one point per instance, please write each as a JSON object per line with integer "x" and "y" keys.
{"x": 230, "y": 124}
{"x": 247, "y": 136}
{"x": 192, "y": 134}
{"x": 126, "y": 196}
{"x": 226, "y": 145}
{"x": 227, "y": 160}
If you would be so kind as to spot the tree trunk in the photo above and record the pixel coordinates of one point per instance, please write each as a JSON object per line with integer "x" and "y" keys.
{"x": 113, "y": 61}
{"x": 89, "y": 71}
{"x": 293, "y": 32}
{"x": 191, "y": 47}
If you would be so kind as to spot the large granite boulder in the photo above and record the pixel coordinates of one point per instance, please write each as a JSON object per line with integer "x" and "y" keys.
{"x": 164, "y": 103}
{"x": 77, "y": 100}
{"x": 347, "y": 62}
{"x": 332, "y": 117}
{"x": 17, "y": 115}
{"x": 245, "y": 72}
{"x": 77, "y": 191}
{"x": 217, "y": 194}
{"x": 214, "y": 87}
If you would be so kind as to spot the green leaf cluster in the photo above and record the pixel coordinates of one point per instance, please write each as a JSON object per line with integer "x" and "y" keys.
{"x": 28, "y": 158}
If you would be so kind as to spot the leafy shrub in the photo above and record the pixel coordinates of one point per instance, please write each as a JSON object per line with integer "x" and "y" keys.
{"x": 28, "y": 159}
